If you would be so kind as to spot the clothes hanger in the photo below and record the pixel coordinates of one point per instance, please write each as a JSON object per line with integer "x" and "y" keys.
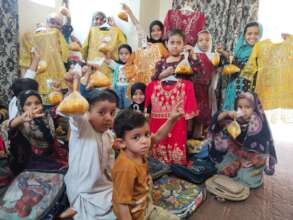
{"x": 41, "y": 27}
{"x": 169, "y": 78}
{"x": 187, "y": 8}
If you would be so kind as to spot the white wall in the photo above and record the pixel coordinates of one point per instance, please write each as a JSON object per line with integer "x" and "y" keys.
{"x": 165, "y": 5}
{"x": 31, "y": 13}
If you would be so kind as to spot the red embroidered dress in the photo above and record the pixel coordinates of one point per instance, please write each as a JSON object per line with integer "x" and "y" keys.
{"x": 190, "y": 23}
{"x": 163, "y": 98}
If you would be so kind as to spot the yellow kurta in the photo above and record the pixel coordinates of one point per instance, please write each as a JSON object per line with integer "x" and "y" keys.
{"x": 52, "y": 48}
{"x": 144, "y": 62}
{"x": 95, "y": 38}
{"x": 273, "y": 64}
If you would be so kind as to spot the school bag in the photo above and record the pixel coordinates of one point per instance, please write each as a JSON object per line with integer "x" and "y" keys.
{"x": 225, "y": 188}
{"x": 31, "y": 195}
{"x": 177, "y": 196}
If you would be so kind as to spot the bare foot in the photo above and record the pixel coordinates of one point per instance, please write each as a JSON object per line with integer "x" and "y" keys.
{"x": 68, "y": 213}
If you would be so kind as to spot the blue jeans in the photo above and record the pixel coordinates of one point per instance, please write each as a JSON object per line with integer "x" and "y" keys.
{"x": 121, "y": 91}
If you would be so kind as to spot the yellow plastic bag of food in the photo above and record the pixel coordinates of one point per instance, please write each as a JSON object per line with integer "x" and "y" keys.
{"x": 74, "y": 46}
{"x": 123, "y": 16}
{"x": 54, "y": 98}
{"x": 99, "y": 79}
{"x": 234, "y": 129}
{"x": 184, "y": 67}
{"x": 230, "y": 68}
{"x": 104, "y": 46}
{"x": 42, "y": 66}
{"x": 74, "y": 103}
{"x": 216, "y": 59}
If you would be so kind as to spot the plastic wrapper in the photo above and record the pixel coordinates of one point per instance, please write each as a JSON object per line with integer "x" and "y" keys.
{"x": 99, "y": 79}
{"x": 234, "y": 129}
{"x": 216, "y": 59}
{"x": 74, "y": 104}
{"x": 104, "y": 46}
{"x": 230, "y": 68}
{"x": 54, "y": 98}
{"x": 74, "y": 46}
{"x": 184, "y": 66}
{"x": 42, "y": 66}
{"x": 123, "y": 16}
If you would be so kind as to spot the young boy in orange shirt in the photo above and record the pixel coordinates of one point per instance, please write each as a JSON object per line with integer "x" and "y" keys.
{"x": 131, "y": 188}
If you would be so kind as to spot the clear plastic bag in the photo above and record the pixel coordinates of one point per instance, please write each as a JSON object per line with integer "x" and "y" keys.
{"x": 74, "y": 103}
{"x": 230, "y": 68}
{"x": 184, "y": 66}
{"x": 234, "y": 129}
{"x": 216, "y": 59}
{"x": 42, "y": 66}
{"x": 74, "y": 46}
{"x": 55, "y": 96}
{"x": 123, "y": 16}
{"x": 99, "y": 79}
{"x": 104, "y": 46}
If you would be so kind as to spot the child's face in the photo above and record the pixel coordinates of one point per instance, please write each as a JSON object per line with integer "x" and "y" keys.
{"x": 32, "y": 103}
{"x": 101, "y": 115}
{"x": 138, "y": 141}
{"x": 245, "y": 107}
{"x": 124, "y": 55}
{"x": 156, "y": 33}
{"x": 138, "y": 97}
{"x": 204, "y": 42}
{"x": 175, "y": 45}
{"x": 100, "y": 20}
{"x": 252, "y": 35}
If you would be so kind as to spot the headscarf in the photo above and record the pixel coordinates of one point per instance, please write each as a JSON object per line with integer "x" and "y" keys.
{"x": 258, "y": 137}
{"x": 39, "y": 131}
{"x": 209, "y": 53}
{"x": 152, "y": 24}
{"x": 242, "y": 49}
{"x": 100, "y": 14}
{"x": 137, "y": 86}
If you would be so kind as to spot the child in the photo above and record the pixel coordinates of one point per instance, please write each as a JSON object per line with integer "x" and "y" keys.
{"x": 243, "y": 158}
{"x": 130, "y": 177}
{"x": 88, "y": 180}
{"x": 138, "y": 96}
{"x": 242, "y": 51}
{"x": 202, "y": 81}
{"x": 120, "y": 83}
{"x": 32, "y": 137}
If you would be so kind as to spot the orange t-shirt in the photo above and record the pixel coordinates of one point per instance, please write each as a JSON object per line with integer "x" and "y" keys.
{"x": 130, "y": 185}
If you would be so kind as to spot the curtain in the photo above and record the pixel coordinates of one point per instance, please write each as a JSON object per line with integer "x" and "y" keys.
{"x": 8, "y": 46}
{"x": 225, "y": 19}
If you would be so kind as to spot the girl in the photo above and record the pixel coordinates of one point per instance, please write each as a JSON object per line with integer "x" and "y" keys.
{"x": 88, "y": 180}
{"x": 138, "y": 96}
{"x": 243, "y": 158}
{"x": 120, "y": 83}
{"x": 242, "y": 51}
{"x": 31, "y": 133}
{"x": 162, "y": 96}
{"x": 102, "y": 33}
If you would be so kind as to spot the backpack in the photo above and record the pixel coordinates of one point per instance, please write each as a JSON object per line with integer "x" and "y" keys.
{"x": 31, "y": 195}
{"x": 225, "y": 188}
{"x": 177, "y": 196}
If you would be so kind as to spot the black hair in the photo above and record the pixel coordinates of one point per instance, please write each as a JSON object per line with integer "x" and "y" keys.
{"x": 176, "y": 32}
{"x": 123, "y": 46}
{"x": 98, "y": 95}
{"x": 137, "y": 86}
{"x": 161, "y": 25}
{"x": 127, "y": 120}
{"x": 22, "y": 84}
{"x": 251, "y": 24}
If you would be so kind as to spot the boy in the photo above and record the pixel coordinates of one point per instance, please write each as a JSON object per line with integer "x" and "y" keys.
{"x": 130, "y": 179}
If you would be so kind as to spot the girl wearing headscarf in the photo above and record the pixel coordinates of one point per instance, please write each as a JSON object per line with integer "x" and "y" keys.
{"x": 249, "y": 154}
{"x": 101, "y": 33}
{"x": 242, "y": 51}
{"x": 30, "y": 137}
{"x": 137, "y": 92}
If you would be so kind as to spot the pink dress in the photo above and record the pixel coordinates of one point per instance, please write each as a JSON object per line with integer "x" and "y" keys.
{"x": 190, "y": 23}
{"x": 163, "y": 99}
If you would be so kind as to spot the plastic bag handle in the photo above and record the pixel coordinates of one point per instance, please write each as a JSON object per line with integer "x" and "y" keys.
{"x": 76, "y": 84}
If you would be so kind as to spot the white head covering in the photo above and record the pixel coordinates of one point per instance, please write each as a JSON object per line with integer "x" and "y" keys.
{"x": 209, "y": 53}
